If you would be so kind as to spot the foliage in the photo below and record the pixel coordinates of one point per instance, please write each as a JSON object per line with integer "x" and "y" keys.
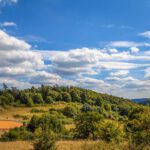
{"x": 92, "y": 115}
{"x": 17, "y": 134}
{"x": 111, "y": 131}
{"x": 45, "y": 141}
{"x": 87, "y": 125}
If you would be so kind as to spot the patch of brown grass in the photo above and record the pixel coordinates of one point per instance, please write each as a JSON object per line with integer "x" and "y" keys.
{"x": 19, "y": 145}
{"x": 4, "y": 125}
{"x": 67, "y": 145}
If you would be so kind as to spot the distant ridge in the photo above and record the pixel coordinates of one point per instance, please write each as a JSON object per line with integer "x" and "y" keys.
{"x": 139, "y": 100}
{"x": 143, "y": 101}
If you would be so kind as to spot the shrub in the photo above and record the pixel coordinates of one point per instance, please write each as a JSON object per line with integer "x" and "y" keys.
{"x": 87, "y": 125}
{"x": 37, "y": 98}
{"x": 49, "y": 100}
{"x": 111, "y": 131}
{"x": 46, "y": 141}
{"x": 17, "y": 134}
{"x": 35, "y": 110}
{"x": 69, "y": 111}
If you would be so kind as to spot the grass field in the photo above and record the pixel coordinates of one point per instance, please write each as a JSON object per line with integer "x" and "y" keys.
{"x": 9, "y": 112}
{"x": 66, "y": 145}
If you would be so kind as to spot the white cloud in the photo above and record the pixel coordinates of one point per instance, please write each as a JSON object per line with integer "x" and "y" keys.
{"x": 145, "y": 34}
{"x": 127, "y": 44}
{"x": 4, "y": 2}
{"x": 113, "y": 50}
{"x": 147, "y": 73}
{"x": 123, "y": 44}
{"x": 22, "y": 66}
{"x": 8, "y": 42}
{"x": 8, "y": 24}
{"x": 134, "y": 50}
{"x": 120, "y": 73}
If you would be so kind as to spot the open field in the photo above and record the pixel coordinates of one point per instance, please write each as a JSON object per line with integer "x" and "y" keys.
{"x": 66, "y": 145}
{"x": 9, "y": 112}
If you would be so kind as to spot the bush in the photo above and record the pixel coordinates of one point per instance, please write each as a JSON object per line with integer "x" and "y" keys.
{"x": 69, "y": 111}
{"x": 35, "y": 110}
{"x": 46, "y": 141}
{"x": 17, "y": 134}
{"x": 49, "y": 100}
{"x": 111, "y": 131}
{"x": 24, "y": 117}
{"x": 37, "y": 98}
{"x": 87, "y": 125}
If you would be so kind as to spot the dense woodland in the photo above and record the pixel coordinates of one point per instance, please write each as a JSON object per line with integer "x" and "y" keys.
{"x": 94, "y": 116}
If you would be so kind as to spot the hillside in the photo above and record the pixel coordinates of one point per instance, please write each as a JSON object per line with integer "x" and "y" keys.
{"x": 72, "y": 113}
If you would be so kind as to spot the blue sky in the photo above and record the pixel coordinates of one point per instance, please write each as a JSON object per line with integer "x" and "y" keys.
{"x": 103, "y": 45}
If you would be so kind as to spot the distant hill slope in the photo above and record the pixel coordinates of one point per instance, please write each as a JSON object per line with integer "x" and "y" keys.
{"x": 49, "y": 94}
{"x": 143, "y": 101}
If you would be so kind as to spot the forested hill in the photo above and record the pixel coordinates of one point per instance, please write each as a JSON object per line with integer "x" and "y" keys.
{"x": 51, "y": 94}
{"x": 71, "y": 113}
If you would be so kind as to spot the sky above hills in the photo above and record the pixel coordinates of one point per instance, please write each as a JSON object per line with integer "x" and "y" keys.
{"x": 103, "y": 45}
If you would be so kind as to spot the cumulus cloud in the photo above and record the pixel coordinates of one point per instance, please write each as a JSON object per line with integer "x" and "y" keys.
{"x": 120, "y": 73}
{"x": 134, "y": 50}
{"x": 22, "y": 66}
{"x": 147, "y": 73}
{"x": 8, "y": 42}
{"x": 126, "y": 44}
{"x": 145, "y": 34}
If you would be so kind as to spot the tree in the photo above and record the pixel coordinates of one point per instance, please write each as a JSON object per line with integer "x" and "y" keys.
{"x": 25, "y": 98}
{"x": 34, "y": 123}
{"x": 138, "y": 126}
{"x": 37, "y": 98}
{"x": 45, "y": 141}
{"x": 49, "y": 100}
{"x": 70, "y": 111}
{"x": 44, "y": 91}
{"x": 107, "y": 107}
{"x": 111, "y": 131}
{"x": 66, "y": 97}
{"x": 99, "y": 102}
{"x": 86, "y": 108}
{"x": 3, "y": 100}
{"x": 84, "y": 97}
{"x": 87, "y": 125}
{"x": 75, "y": 96}
{"x": 5, "y": 87}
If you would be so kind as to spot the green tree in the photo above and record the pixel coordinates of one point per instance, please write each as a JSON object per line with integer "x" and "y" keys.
{"x": 111, "y": 131}
{"x": 45, "y": 141}
{"x": 87, "y": 125}
{"x": 75, "y": 96}
{"x": 37, "y": 98}
{"x": 49, "y": 100}
{"x": 84, "y": 97}
{"x": 70, "y": 111}
{"x": 66, "y": 97}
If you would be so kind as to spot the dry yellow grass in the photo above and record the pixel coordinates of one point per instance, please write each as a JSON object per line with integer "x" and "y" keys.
{"x": 61, "y": 145}
{"x": 19, "y": 145}
{"x": 66, "y": 145}
{"x": 9, "y": 112}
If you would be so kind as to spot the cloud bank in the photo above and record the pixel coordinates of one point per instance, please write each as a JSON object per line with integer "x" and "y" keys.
{"x": 107, "y": 70}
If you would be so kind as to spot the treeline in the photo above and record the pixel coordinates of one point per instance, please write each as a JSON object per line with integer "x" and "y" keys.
{"x": 51, "y": 94}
